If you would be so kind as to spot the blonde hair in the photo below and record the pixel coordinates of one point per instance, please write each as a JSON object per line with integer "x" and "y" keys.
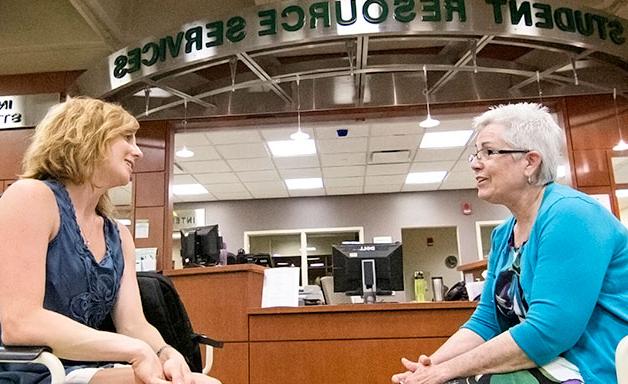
{"x": 73, "y": 138}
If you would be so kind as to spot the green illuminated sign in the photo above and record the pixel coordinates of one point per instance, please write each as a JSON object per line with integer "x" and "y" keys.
{"x": 326, "y": 16}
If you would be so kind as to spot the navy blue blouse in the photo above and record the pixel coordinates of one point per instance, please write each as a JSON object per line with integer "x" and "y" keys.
{"x": 77, "y": 286}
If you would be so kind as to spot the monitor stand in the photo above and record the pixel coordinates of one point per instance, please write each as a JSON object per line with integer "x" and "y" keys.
{"x": 369, "y": 287}
{"x": 369, "y": 295}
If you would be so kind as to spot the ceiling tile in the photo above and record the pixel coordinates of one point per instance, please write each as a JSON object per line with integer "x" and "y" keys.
{"x": 420, "y": 187}
{"x": 231, "y": 187}
{"x": 431, "y": 166}
{"x": 234, "y": 136}
{"x": 357, "y": 170}
{"x": 300, "y": 173}
{"x": 233, "y": 195}
{"x": 206, "y": 152}
{"x": 261, "y": 186}
{"x": 328, "y": 130}
{"x": 218, "y": 178}
{"x": 243, "y": 151}
{"x": 205, "y": 166}
{"x": 343, "y": 182}
{"x": 198, "y": 198}
{"x": 306, "y": 192}
{"x": 296, "y": 162}
{"x": 183, "y": 179}
{"x": 269, "y": 194}
{"x": 257, "y": 164}
{"x": 393, "y": 127}
{"x": 384, "y": 143}
{"x": 387, "y": 169}
{"x": 343, "y": 190}
{"x": 190, "y": 139}
{"x": 459, "y": 180}
{"x": 342, "y": 159}
{"x": 341, "y": 145}
{"x": 382, "y": 188}
{"x": 275, "y": 134}
{"x": 438, "y": 154}
{"x": 258, "y": 175}
{"x": 395, "y": 180}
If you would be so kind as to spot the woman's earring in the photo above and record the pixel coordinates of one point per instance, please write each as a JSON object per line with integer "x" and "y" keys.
{"x": 530, "y": 180}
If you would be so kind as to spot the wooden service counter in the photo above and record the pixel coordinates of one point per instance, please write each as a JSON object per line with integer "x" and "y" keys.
{"x": 353, "y": 343}
{"x": 217, "y": 300}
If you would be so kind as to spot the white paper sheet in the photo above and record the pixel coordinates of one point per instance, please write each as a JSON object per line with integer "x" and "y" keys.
{"x": 281, "y": 287}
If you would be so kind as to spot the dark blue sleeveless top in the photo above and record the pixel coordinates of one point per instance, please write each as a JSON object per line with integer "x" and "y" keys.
{"x": 76, "y": 285}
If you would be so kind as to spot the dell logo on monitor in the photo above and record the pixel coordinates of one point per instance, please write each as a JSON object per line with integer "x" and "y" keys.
{"x": 367, "y": 248}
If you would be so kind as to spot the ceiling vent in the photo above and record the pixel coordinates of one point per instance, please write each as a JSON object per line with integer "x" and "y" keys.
{"x": 390, "y": 156}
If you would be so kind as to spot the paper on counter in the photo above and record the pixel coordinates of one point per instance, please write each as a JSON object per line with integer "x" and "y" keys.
{"x": 281, "y": 287}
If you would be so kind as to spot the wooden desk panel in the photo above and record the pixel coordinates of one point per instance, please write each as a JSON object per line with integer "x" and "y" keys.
{"x": 359, "y": 321}
{"x": 231, "y": 363}
{"x": 346, "y": 343}
{"x": 217, "y": 298}
{"x": 342, "y": 362}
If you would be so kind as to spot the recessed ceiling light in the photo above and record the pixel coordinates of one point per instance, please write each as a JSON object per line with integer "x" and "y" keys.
{"x": 445, "y": 139}
{"x": 306, "y": 183}
{"x": 184, "y": 152}
{"x": 189, "y": 189}
{"x": 425, "y": 177}
{"x": 287, "y": 148}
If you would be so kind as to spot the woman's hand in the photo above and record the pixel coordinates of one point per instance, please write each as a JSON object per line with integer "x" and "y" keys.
{"x": 420, "y": 372}
{"x": 147, "y": 367}
{"x": 175, "y": 367}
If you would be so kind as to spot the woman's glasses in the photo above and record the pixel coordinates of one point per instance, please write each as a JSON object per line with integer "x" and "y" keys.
{"x": 485, "y": 153}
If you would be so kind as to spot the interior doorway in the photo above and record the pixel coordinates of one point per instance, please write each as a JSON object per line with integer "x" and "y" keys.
{"x": 433, "y": 250}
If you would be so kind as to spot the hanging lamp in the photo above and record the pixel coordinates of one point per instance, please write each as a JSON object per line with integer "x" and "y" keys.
{"x": 429, "y": 122}
{"x": 185, "y": 152}
{"x": 299, "y": 134}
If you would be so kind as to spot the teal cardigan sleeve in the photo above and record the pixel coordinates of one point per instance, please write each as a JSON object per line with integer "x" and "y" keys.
{"x": 563, "y": 269}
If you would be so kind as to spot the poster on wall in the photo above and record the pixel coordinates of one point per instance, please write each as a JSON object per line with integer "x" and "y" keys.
{"x": 25, "y": 110}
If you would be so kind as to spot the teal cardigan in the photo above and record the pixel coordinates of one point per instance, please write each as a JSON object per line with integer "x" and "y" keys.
{"x": 574, "y": 275}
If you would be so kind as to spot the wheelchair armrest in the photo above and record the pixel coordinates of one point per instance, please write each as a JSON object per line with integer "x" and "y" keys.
{"x": 35, "y": 354}
{"x": 21, "y": 353}
{"x": 206, "y": 340}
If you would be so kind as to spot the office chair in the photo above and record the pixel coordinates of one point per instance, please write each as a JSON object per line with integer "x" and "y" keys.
{"x": 163, "y": 309}
{"x": 331, "y": 297}
{"x": 621, "y": 361}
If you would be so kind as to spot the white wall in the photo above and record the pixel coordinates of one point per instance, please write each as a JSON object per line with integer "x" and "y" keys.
{"x": 379, "y": 214}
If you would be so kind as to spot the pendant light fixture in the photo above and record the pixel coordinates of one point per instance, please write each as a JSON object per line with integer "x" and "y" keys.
{"x": 622, "y": 145}
{"x": 429, "y": 122}
{"x": 299, "y": 134}
{"x": 185, "y": 152}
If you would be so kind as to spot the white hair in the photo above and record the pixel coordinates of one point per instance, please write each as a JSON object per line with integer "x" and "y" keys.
{"x": 528, "y": 126}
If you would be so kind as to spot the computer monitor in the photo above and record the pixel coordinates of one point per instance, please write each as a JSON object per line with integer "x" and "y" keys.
{"x": 208, "y": 244}
{"x": 188, "y": 246}
{"x": 200, "y": 245}
{"x": 367, "y": 270}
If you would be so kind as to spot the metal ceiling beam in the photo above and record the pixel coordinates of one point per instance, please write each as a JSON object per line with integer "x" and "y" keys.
{"x": 468, "y": 56}
{"x": 551, "y": 70}
{"x": 181, "y": 94}
{"x": 264, "y": 76}
{"x": 362, "y": 52}
{"x": 100, "y": 21}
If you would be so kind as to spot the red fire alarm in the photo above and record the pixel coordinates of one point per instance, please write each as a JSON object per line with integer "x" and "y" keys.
{"x": 466, "y": 208}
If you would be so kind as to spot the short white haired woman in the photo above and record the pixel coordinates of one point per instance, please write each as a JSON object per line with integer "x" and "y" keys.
{"x": 555, "y": 301}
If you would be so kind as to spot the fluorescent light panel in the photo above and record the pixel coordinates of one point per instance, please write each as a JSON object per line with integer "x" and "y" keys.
{"x": 288, "y": 148}
{"x": 306, "y": 183}
{"x": 425, "y": 177}
{"x": 189, "y": 189}
{"x": 445, "y": 139}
